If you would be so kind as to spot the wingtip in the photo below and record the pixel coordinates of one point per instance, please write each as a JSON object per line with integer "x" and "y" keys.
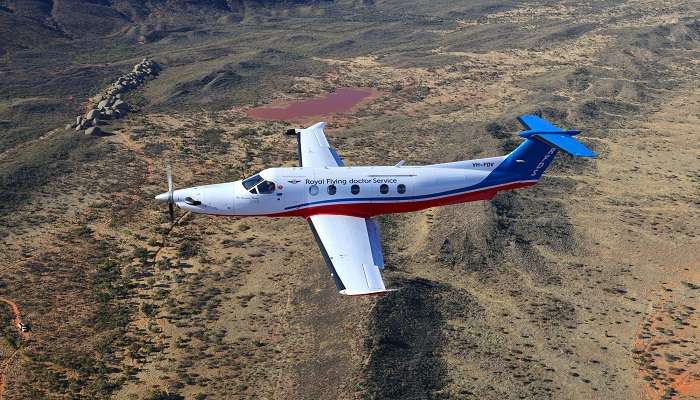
{"x": 318, "y": 125}
{"x": 370, "y": 292}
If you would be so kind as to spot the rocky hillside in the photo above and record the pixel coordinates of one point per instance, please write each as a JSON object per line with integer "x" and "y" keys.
{"x": 30, "y": 23}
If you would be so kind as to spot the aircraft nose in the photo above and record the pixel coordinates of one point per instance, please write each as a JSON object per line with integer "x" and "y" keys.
{"x": 163, "y": 197}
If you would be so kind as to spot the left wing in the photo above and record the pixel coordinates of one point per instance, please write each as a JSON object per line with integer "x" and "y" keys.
{"x": 314, "y": 150}
{"x": 351, "y": 249}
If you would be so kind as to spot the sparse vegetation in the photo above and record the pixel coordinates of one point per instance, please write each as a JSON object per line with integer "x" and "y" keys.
{"x": 539, "y": 293}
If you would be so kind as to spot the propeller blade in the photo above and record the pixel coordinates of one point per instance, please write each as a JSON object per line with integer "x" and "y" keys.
{"x": 171, "y": 202}
{"x": 169, "y": 172}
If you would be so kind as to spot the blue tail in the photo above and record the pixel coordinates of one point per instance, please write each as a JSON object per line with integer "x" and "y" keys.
{"x": 529, "y": 160}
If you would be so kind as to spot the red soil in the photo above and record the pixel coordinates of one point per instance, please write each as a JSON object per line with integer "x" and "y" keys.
{"x": 341, "y": 101}
{"x": 24, "y": 335}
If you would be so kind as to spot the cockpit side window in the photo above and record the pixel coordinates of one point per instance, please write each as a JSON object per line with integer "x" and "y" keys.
{"x": 266, "y": 187}
{"x": 251, "y": 182}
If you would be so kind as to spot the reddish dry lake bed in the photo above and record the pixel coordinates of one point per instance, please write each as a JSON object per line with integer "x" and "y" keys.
{"x": 340, "y": 101}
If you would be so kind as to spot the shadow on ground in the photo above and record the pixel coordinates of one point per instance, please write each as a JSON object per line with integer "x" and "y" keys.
{"x": 405, "y": 342}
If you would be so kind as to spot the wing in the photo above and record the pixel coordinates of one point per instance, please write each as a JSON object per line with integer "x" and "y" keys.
{"x": 314, "y": 150}
{"x": 351, "y": 249}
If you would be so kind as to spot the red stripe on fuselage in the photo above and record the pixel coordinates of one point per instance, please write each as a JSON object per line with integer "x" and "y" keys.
{"x": 367, "y": 210}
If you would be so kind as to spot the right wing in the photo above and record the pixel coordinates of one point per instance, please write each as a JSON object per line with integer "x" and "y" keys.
{"x": 351, "y": 249}
{"x": 313, "y": 148}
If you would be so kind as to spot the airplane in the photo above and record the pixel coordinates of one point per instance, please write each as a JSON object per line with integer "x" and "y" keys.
{"x": 339, "y": 202}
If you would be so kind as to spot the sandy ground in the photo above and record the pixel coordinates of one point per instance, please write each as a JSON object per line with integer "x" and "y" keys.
{"x": 592, "y": 295}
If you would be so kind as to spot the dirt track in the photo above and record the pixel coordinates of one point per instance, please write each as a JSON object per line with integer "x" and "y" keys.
{"x": 24, "y": 335}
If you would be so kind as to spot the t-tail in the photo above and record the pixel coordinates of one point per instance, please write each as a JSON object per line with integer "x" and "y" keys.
{"x": 543, "y": 139}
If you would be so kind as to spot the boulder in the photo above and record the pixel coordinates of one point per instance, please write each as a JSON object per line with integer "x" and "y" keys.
{"x": 93, "y": 131}
{"x": 92, "y": 114}
{"x": 121, "y": 106}
{"x": 103, "y": 104}
{"x": 78, "y": 119}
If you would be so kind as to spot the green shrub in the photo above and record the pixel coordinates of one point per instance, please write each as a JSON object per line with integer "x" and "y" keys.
{"x": 163, "y": 395}
{"x": 187, "y": 249}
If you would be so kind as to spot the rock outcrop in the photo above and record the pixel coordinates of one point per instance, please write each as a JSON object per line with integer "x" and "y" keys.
{"x": 109, "y": 104}
{"x": 93, "y": 131}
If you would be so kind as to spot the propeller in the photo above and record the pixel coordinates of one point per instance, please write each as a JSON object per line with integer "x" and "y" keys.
{"x": 168, "y": 197}
{"x": 171, "y": 208}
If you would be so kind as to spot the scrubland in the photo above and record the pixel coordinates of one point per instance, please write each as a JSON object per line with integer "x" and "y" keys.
{"x": 584, "y": 286}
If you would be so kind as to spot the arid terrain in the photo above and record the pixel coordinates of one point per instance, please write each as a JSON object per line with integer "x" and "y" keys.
{"x": 583, "y": 287}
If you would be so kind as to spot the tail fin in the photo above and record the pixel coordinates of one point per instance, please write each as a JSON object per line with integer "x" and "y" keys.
{"x": 543, "y": 139}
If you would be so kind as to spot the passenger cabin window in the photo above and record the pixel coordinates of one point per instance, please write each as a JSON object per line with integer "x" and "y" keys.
{"x": 332, "y": 189}
{"x": 355, "y": 189}
{"x": 384, "y": 188}
{"x": 401, "y": 188}
{"x": 313, "y": 190}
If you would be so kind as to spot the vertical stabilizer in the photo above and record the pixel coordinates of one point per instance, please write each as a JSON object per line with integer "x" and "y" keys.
{"x": 542, "y": 141}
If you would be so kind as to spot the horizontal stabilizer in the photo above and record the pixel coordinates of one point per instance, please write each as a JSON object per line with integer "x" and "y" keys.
{"x": 550, "y": 134}
{"x": 535, "y": 123}
{"x": 563, "y": 141}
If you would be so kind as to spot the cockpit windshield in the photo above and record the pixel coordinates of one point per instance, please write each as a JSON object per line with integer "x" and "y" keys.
{"x": 251, "y": 182}
{"x": 257, "y": 185}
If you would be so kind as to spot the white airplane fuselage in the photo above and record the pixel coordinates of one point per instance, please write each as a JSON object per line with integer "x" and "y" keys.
{"x": 356, "y": 191}
{"x": 339, "y": 202}
{"x": 324, "y": 185}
